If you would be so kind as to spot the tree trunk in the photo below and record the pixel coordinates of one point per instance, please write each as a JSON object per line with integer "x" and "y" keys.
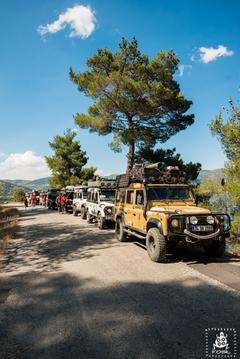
{"x": 130, "y": 156}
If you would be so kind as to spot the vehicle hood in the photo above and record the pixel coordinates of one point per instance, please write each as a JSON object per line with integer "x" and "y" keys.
{"x": 180, "y": 209}
{"x": 106, "y": 204}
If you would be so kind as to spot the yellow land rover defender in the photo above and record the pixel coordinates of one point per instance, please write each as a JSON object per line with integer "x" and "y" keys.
{"x": 159, "y": 206}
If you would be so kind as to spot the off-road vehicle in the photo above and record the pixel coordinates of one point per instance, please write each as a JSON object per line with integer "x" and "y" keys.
{"x": 79, "y": 201}
{"x": 51, "y": 198}
{"x": 100, "y": 202}
{"x": 158, "y": 206}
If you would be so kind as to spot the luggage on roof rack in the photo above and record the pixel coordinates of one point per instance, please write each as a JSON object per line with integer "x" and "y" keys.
{"x": 153, "y": 173}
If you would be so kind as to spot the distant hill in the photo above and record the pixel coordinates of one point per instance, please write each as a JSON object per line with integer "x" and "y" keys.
{"x": 215, "y": 175}
{"x": 8, "y": 189}
{"x": 38, "y": 184}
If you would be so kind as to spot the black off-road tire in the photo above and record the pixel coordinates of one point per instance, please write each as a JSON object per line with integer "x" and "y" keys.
{"x": 101, "y": 221}
{"x": 75, "y": 212}
{"x": 216, "y": 248}
{"x": 83, "y": 213}
{"x": 156, "y": 245}
{"x": 89, "y": 218}
{"x": 120, "y": 234}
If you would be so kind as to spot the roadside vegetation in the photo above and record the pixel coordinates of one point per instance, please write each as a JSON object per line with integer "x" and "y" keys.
{"x": 8, "y": 225}
{"x": 224, "y": 195}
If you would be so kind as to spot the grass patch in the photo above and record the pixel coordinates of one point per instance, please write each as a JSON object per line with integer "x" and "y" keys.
{"x": 236, "y": 249}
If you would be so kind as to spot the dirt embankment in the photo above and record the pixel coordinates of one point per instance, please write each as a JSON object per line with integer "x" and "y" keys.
{"x": 8, "y": 224}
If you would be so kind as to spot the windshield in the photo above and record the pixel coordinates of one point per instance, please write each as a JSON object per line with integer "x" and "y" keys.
{"x": 168, "y": 193}
{"x": 107, "y": 195}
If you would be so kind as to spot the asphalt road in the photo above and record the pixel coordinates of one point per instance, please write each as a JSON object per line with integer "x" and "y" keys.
{"x": 68, "y": 290}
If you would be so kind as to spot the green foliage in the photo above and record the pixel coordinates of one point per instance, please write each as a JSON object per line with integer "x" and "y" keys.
{"x": 209, "y": 188}
{"x": 169, "y": 158}
{"x": 134, "y": 98}
{"x": 227, "y": 130}
{"x": 236, "y": 225}
{"x": 19, "y": 194}
{"x": 67, "y": 161}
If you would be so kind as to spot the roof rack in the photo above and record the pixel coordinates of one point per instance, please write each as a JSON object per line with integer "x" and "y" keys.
{"x": 102, "y": 183}
{"x": 152, "y": 174}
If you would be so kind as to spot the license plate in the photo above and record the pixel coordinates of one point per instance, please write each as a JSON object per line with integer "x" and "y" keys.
{"x": 202, "y": 228}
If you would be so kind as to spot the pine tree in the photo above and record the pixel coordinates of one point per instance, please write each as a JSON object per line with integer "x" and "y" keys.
{"x": 134, "y": 98}
{"x": 68, "y": 161}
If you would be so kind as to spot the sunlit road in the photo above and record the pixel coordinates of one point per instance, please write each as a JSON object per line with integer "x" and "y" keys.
{"x": 69, "y": 290}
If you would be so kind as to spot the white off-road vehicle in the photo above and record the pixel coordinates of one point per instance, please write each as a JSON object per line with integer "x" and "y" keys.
{"x": 100, "y": 203}
{"x": 79, "y": 201}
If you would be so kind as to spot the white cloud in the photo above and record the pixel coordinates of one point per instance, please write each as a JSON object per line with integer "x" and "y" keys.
{"x": 182, "y": 68}
{"x": 208, "y": 54}
{"x": 2, "y": 154}
{"x": 193, "y": 57}
{"x": 79, "y": 18}
{"x": 26, "y": 165}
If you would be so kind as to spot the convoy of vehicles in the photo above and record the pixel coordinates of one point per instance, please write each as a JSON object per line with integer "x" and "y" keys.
{"x": 152, "y": 204}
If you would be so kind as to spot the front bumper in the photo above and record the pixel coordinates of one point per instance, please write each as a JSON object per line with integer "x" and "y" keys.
{"x": 109, "y": 218}
{"x": 186, "y": 233}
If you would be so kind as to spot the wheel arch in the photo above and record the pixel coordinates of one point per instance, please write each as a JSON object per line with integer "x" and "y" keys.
{"x": 154, "y": 223}
{"x": 120, "y": 215}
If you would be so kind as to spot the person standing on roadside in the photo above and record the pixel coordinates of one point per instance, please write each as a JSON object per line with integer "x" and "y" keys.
{"x": 33, "y": 200}
{"x": 63, "y": 203}
{"x": 58, "y": 202}
{"x": 25, "y": 201}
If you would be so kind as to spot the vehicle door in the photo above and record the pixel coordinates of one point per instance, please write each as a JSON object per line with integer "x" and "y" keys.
{"x": 90, "y": 201}
{"x": 129, "y": 215}
{"x": 139, "y": 219}
{"x": 95, "y": 203}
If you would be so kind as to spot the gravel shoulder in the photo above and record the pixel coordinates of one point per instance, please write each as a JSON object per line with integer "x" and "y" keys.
{"x": 68, "y": 290}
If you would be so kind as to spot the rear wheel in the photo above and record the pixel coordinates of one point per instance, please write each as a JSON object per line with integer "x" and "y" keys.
{"x": 101, "y": 221}
{"x": 120, "y": 234}
{"x": 83, "y": 213}
{"x": 156, "y": 245}
{"x": 216, "y": 248}
{"x": 89, "y": 217}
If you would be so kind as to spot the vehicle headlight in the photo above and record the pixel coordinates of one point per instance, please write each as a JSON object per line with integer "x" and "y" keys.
{"x": 210, "y": 219}
{"x": 108, "y": 210}
{"x": 193, "y": 220}
{"x": 174, "y": 223}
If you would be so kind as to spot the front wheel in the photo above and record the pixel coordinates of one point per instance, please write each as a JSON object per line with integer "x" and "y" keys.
{"x": 156, "y": 245}
{"x": 120, "y": 234}
{"x": 216, "y": 248}
{"x": 89, "y": 217}
{"x": 83, "y": 213}
{"x": 75, "y": 212}
{"x": 101, "y": 221}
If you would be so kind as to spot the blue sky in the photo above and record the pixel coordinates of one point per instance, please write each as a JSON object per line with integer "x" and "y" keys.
{"x": 37, "y": 100}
